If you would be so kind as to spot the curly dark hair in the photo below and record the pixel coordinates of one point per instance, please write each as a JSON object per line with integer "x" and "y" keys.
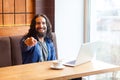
{"x": 32, "y": 31}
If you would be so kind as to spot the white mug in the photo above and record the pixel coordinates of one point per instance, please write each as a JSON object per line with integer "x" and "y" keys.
{"x": 57, "y": 63}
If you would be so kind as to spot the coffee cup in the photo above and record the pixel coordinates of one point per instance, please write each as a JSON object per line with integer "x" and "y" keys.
{"x": 57, "y": 63}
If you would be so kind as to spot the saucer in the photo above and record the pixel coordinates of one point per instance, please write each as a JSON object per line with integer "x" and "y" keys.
{"x": 58, "y": 67}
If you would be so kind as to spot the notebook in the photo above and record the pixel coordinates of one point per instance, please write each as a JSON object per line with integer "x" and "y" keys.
{"x": 85, "y": 54}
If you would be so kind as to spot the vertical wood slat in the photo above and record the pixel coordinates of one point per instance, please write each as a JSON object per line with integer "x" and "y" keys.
{"x": 20, "y": 12}
{"x": 19, "y": 6}
{"x": 29, "y": 18}
{"x": 8, "y": 6}
{"x": 30, "y": 6}
{"x": 1, "y": 6}
{"x": 30, "y": 9}
{"x": 8, "y": 19}
{"x": 8, "y": 12}
{"x": 19, "y": 18}
{"x": 1, "y": 22}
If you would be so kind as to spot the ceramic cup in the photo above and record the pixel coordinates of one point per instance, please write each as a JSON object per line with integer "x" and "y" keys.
{"x": 57, "y": 63}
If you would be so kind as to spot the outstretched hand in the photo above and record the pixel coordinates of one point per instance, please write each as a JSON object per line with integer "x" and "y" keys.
{"x": 30, "y": 41}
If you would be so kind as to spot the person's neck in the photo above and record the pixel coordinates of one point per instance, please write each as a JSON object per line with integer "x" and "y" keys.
{"x": 41, "y": 39}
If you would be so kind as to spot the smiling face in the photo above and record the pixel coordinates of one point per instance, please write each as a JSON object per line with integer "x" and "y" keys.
{"x": 41, "y": 26}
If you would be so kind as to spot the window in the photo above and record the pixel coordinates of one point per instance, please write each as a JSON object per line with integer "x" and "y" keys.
{"x": 105, "y": 21}
{"x": 104, "y": 26}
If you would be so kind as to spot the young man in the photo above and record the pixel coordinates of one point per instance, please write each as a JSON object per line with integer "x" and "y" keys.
{"x": 37, "y": 45}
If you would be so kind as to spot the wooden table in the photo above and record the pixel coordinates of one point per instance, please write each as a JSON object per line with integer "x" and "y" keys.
{"x": 42, "y": 71}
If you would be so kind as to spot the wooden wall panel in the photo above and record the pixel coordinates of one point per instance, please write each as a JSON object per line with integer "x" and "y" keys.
{"x": 13, "y": 31}
{"x": 46, "y": 10}
{"x": 1, "y": 22}
{"x": 1, "y": 6}
{"x": 8, "y": 19}
{"x": 15, "y": 16}
{"x": 19, "y": 18}
{"x": 30, "y": 6}
{"x": 8, "y": 6}
{"x": 45, "y": 3}
{"x": 46, "y": 7}
{"x": 29, "y": 18}
{"x": 19, "y": 6}
{"x": 16, "y": 11}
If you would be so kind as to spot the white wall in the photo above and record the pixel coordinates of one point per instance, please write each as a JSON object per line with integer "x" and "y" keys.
{"x": 68, "y": 27}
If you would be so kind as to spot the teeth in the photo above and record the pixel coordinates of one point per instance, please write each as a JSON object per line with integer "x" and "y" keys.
{"x": 41, "y": 29}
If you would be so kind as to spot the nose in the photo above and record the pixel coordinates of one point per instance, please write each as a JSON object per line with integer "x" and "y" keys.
{"x": 41, "y": 25}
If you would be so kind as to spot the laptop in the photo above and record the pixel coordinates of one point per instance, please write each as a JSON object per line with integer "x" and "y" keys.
{"x": 85, "y": 54}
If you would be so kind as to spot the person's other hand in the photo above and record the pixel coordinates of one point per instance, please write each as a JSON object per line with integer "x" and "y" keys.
{"x": 30, "y": 41}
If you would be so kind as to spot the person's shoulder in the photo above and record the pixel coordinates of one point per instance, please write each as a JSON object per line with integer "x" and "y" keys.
{"x": 48, "y": 40}
{"x": 24, "y": 37}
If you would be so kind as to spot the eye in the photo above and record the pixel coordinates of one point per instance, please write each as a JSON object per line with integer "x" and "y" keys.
{"x": 43, "y": 23}
{"x": 37, "y": 23}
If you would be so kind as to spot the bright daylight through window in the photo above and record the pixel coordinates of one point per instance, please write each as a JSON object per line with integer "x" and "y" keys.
{"x": 105, "y": 20}
{"x": 105, "y": 27}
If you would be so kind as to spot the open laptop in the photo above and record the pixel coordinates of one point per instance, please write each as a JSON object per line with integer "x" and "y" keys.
{"x": 85, "y": 54}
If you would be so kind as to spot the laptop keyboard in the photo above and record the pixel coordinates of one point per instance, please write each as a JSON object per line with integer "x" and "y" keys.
{"x": 71, "y": 62}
